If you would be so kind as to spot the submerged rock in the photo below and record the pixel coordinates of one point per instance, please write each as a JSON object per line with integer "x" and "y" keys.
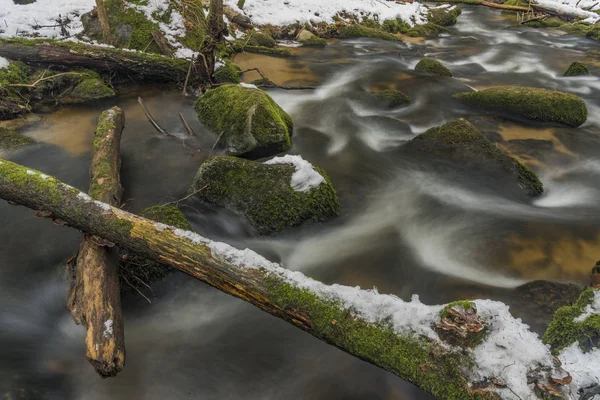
{"x": 432, "y": 66}
{"x": 533, "y": 103}
{"x": 249, "y": 122}
{"x": 460, "y": 141}
{"x": 9, "y": 139}
{"x": 577, "y": 68}
{"x": 135, "y": 269}
{"x": 271, "y": 195}
{"x": 393, "y": 98}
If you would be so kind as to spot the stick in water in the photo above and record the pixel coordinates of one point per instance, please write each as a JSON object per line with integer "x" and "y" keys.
{"x": 151, "y": 119}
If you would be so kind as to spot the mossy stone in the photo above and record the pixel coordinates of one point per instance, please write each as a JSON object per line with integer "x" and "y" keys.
{"x": 357, "y": 30}
{"x": 432, "y": 66}
{"x": 393, "y": 98}
{"x": 428, "y": 30}
{"x": 308, "y": 38}
{"x": 395, "y": 26}
{"x": 9, "y": 139}
{"x": 261, "y": 39}
{"x": 76, "y": 86}
{"x": 461, "y": 141}
{"x": 228, "y": 73}
{"x": 445, "y": 16}
{"x": 577, "y": 68}
{"x": 262, "y": 193}
{"x": 135, "y": 269}
{"x": 248, "y": 120}
{"x": 528, "y": 102}
{"x": 593, "y": 32}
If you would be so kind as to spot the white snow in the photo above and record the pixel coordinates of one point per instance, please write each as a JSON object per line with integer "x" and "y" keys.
{"x": 278, "y": 12}
{"x": 3, "y": 62}
{"x": 84, "y": 197}
{"x": 583, "y": 367}
{"x": 576, "y": 7}
{"x": 305, "y": 178}
{"x": 20, "y": 20}
{"x": 30, "y": 172}
{"x": 108, "y": 328}
{"x": 593, "y": 308}
{"x": 248, "y": 85}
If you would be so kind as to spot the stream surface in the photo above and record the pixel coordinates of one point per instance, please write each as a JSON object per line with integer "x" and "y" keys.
{"x": 406, "y": 226}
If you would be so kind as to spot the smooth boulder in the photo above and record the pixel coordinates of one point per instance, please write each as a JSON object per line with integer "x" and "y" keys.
{"x": 284, "y": 191}
{"x": 247, "y": 120}
{"x": 528, "y": 102}
{"x": 577, "y": 68}
{"x": 461, "y": 142}
{"x": 432, "y": 66}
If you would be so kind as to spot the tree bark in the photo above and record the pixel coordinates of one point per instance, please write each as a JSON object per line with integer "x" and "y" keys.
{"x": 138, "y": 65}
{"x": 435, "y": 367}
{"x": 95, "y": 295}
{"x": 103, "y": 17}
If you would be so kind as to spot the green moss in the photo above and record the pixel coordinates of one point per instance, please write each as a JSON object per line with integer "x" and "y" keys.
{"x": 228, "y": 73}
{"x": 461, "y": 140}
{"x": 576, "y": 28}
{"x": 131, "y": 28}
{"x": 393, "y": 98}
{"x": 262, "y": 193}
{"x": 240, "y": 47}
{"x": 594, "y": 32}
{"x": 428, "y": 30}
{"x": 136, "y": 271}
{"x": 315, "y": 41}
{"x": 533, "y": 103}
{"x": 418, "y": 360}
{"x": 395, "y": 26}
{"x": 432, "y": 66}
{"x": 260, "y": 39}
{"x": 92, "y": 89}
{"x": 564, "y": 330}
{"x": 251, "y": 123}
{"x": 240, "y": 4}
{"x": 464, "y": 304}
{"x": 443, "y": 16}
{"x": 357, "y": 30}
{"x": 577, "y": 68}
{"x": 515, "y": 3}
{"x": 552, "y": 22}
{"x": 10, "y": 139}
{"x": 12, "y": 101}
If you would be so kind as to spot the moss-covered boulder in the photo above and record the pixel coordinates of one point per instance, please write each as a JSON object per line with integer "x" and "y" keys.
{"x": 357, "y": 30}
{"x": 393, "y": 98}
{"x": 461, "y": 142}
{"x": 136, "y": 272}
{"x": 432, "y": 66}
{"x": 270, "y": 196}
{"x": 228, "y": 73}
{"x": 247, "y": 119}
{"x": 577, "y": 68}
{"x": 428, "y": 30}
{"x": 9, "y": 139}
{"x": 308, "y": 38}
{"x": 445, "y": 15}
{"x": 261, "y": 39}
{"x": 533, "y": 103}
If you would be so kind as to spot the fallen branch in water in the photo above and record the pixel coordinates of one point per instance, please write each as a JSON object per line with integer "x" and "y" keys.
{"x": 188, "y": 128}
{"x": 267, "y": 83}
{"x": 464, "y": 350}
{"x": 151, "y": 118}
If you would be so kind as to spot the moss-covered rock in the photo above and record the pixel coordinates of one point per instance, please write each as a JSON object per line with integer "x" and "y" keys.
{"x": 577, "y": 68}
{"x": 228, "y": 73}
{"x": 249, "y": 122}
{"x": 428, "y": 30}
{"x": 12, "y": 102}
{"x": 533, "y": 103}
{"x": 460, "y": 141}
{"x": 261, "y": 39}
{"x": 568, "y": 327}
{"x": 308, "y": 38}
{"x": 444, "y": 16}
{"x": 357, "y": 30}
{"x": 593, "y": 32}
{"x": 432, "y": 66}
{"x": 136, "y": 272}
{"x": 23, "y": 1}
{"x": 9, "y": 139}
{"x": 393, "y": 98}
{"x": 263, "y": 194}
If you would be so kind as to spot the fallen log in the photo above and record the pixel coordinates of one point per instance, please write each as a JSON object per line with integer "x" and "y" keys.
{"x": 138, "y": 65}
{"x": 464, "y": 350}
{"x": 504, "y": 6}
{"x": 95, "y": 295}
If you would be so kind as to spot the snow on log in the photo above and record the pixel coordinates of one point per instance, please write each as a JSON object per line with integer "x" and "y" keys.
{"x": 95, "y": 295}
{"x": 500, "y": 358}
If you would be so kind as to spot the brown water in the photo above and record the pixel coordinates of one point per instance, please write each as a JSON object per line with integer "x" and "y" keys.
{"x": 407, "y": 225}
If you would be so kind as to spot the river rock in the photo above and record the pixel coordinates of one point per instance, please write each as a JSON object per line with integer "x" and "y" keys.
{"x": 432, "y": 66}
{"x": 284, "y": 191}
{"x": 393, "y": 98}
{"x": 460, "y": 141}
{"x": 250, "y": 124}
{"x": 308, "y": 38}
{"x": 528, "y": 102}
{"x": 577, "y": 68}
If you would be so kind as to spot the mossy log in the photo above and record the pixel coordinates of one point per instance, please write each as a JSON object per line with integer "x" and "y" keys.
{"x": 335, "y": 314}
{"x": 138, "y": 65}
{"x": 95, "y": 298}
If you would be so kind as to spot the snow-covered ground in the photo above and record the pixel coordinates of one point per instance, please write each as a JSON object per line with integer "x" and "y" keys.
{"x": 582, "y": 8}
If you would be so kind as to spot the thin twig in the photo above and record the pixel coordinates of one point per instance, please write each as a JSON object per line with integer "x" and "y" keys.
{"x": 218, "y": 140}
{"x": 270, "y": 84}
{"x": 176, "y": 202}
{"x": 188, "y": 128}
{"x": 151, "y": 119}
{"x": 34, "y": 84}
{"x": 187, "y": 77}
{"x": 136, "y": 289}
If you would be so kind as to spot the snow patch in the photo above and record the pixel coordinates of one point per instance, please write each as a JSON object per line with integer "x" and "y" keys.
{"x": 102, "y": 205}
{"x": 44, "y": 176}
{"x": 583, "y": 367}
{"x": 581, "y": 8}
{"x": 30, "y": 172}
{"x": 591, "y": 309}
{"x": 84, "y": 197}
{"x": 3, "y": 62}
{"x": 248, "y": 85}
{"x": 305, "y": 178}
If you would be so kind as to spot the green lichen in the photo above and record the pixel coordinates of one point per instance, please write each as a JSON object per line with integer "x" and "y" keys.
{"x": 48, "y": 188}
{"x": 577, "y": 68}
{"x": 228, "y": 73}
{"x": 461, "y": 140}
{"x": 260, "y": 39}
{"x": 393, "y": 98}
{"x": 357, "y": 30}
{"x": 262, "y": 193}
{"x": 564, "y": 330}
{"x": 432, "y": 66}
{"x": 10, "y": 139}
{"x": 515, "y": 3}
{"x": 135, "y": 269}
{"x": 594, "y": 32}
{"x": 251, "y": 124}
{"x": 415, "y": 359}
{"x": 533, "y": 103}
{"x": 443, "y": 16}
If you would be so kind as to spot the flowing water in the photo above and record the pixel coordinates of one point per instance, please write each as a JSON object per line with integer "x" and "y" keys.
{"x": 407, "y": 225}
